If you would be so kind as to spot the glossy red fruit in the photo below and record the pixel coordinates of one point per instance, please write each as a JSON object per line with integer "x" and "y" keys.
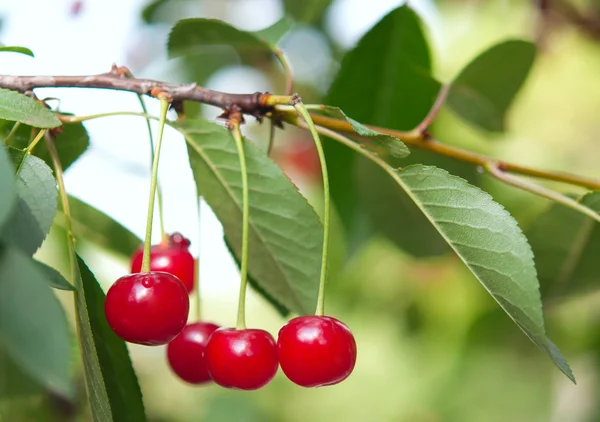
{"x": 147, "y": 308}
{"x": 170, "y": 257}
{"x": 315, "y": 351}
{"x": 241, "y": 359}
{"x": 186, "y": 352}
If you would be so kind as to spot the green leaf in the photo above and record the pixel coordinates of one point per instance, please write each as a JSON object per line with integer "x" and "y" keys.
{"x": 280, "y": 308}
{"x": 275, "y": 32}
{"x": 306, "y": 11}
{"x": 390, "y": 144}
{"x": 34, "y": 212}
{"x": 484, "y": 90}
{"x": 15, "y": 49}
{"x": 33, "y": 326}
{"x": 285, "y": 232}
{"x": 198, "y": 35}
{"x": 489, "y": 241}
{"x": 112, "y": 385}
{"x": 566, "y": 245}
{"x": 15, "y": 106}
{"x": 7, "y": 186}
{"x": 385, "y": 81}
{"x": 53, "y": 277}
{"x": 149, "y": 14}
{"x": 71, "y": 141}
{"x": 98, "y": 228}
{"x": 14, "y": 382}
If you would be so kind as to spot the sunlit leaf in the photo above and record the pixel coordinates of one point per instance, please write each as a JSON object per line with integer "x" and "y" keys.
{"x": 15, "y": 49}
{"x": 489, "y": 241}
{"x": 15, "y": 106}
{"x": 33, "y": 326}
{"x": 486, "y": 87}
{"x": 285, "y": 232}
{"x": 566, "y": 245}
{"x": 275, "y": 32}
{"x": 112, "y": 385}
{"x": 53, "y": 277}
{"x": 306, "y": 10}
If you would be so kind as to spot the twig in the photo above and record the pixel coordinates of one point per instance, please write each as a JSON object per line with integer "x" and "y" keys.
{"x": 437, "y": 106}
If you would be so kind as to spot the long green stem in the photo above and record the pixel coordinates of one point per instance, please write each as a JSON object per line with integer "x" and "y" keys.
{"x": 326, "y": 208}
{"x": 64, "y": 199}
{"x": 12, "y": 132}
{"x": 164, "y": 106}
{"x": 78, "y": 119}
{"x": 197, "y": 273}
{"x": 540, "y": 191}
{"x": 35, "y": 141}
{"x": 237, "y": 135}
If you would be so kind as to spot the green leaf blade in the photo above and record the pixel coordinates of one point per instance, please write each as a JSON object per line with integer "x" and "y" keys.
{"x": 484, "y": 90}
{"x": 115, "y": 395}
{"x": 7, "y": 186}
{"x": 33, "y": 326}
{"x": 489, "y": 241}
{"x": 16, "y": 49}
{"x": 285, "y": 232}
{"x": 53, "y": 277}
{"x": 15, "y": 106}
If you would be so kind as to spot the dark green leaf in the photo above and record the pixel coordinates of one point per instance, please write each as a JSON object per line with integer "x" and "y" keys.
{"x": 285, "y": 233}
{"x": 489, "y": 241}
{"x": 283, "y": 311}
{"x": 385, "y": 81}
{"x": 14, "y": 49}
{"x": 275, "y": 32}
{"x": 566, "y": 245}
{"x": 149, "y": 12}
{"x": 71, "y": 142}
{"x": 53, "y": 277}
{"x": 14, "y": 381}
{"x": 33, "y": 326}
{"x": 34, "y": 212}
{"x": 484, "y": 90}
{"x": 7, "y": 186}
{"x": 112, "y": 385}
{"x": 388, "y": 143}
{"x": 307, "y": 10}
{"x": 198, "y": 35}
{"x": 100, "y": 229}
{"x": 15, "y": 106}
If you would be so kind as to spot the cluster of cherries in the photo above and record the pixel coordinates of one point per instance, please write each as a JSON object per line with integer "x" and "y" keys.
{"x": 152, "y": 309}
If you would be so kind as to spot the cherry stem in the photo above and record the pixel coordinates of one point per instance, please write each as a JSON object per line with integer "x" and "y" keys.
{"x": 12, "y": 132}
{"x": 163, "y": 236}
{"x": 197, "y": 262}
{"x": 35, "y": 141}
{"x": 58, "y": 172}
{"x": 320, "y": 311}
{"x": 164, "y": 106}
{"x": 237, "y": 136}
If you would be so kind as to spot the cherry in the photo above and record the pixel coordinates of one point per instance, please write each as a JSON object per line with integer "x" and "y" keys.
{"x": 170, "y": 257}
{"x": 241, "y": 359}
{"x": 147, "y": 308}
{"x": 316, "y": 351}
{"x": 186, "y": 352}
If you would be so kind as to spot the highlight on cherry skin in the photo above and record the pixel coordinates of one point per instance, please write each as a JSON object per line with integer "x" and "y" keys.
{"x": 147, "y": 308}
{"x": 316, "y": 351}
{"x": 172, "y": 256}
{"x": 185, "y": 353}
{"x": 241, "y": 359}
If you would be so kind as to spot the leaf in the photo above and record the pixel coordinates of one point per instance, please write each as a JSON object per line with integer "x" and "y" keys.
{"x": 53, "y": 277}
{"x": 7, "y": 187}
{"x": 285, "y": 233}
{"x": 149, "y": 14}
{"x": 390, "y": 144}
{"x": 33, "y": 325}
{"x": 34, "y": 212}
{"x": 14, "y": 382}
{"x": 489, "y": 241}
{"x": 385, "y": 81}
{"x": 566, "y": 245}
{"x": 275, "y": 32}
{"x": 197, "y": 35}
{"x": 112, "y": 385}
{"x": 306, "y": 11}
{"x": 15, "y": 49}
{"x": 21, "y": 108}
{"x": 484, "y": 90}
{"x": 281, "y": 309}
{"x": 100, "y": 229}
{"x": 71, "y": 141}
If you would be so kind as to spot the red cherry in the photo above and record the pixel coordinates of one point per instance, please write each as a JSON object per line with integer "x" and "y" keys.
{"x": 172, "y": 257}
{"x": 241, "y": 359}
{"x": 147, "y": 308}
{"x": 315, "y": 351}
{"x": 186, "y": 352}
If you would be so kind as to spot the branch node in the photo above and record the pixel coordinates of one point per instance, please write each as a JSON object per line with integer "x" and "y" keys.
{"x": 295, "y": 99}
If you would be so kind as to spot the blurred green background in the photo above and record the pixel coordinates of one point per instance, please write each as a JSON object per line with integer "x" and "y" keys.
{"x": 432, "y": 345}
